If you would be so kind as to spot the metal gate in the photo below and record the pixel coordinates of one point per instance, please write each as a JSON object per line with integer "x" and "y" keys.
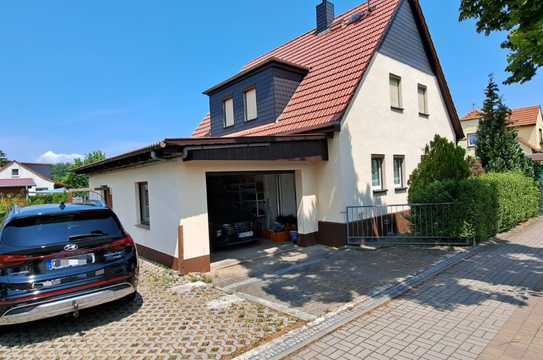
{"x": 407, "y": 224}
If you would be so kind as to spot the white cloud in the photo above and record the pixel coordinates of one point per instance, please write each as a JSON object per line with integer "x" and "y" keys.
{"x": 51, "y": 157}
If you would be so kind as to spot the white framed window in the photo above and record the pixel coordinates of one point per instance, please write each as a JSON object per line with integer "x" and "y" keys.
{"x": 377, "y": 176}
{"x": 423, "y": 99}
{"x": 228, "y": 112}
{"x": 472, "y": 139}
{"x": 399, "y": 170}
{"x": 395, "y": 92}
{"x": 143, "y": 203}
{"x": 15, "y": 172}
{"x": 251, "y": 109}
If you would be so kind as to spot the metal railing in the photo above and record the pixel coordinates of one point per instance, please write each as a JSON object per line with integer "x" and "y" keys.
{"x": 406, "y": 224}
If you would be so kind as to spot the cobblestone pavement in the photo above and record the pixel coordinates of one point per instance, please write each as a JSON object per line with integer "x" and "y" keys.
{"x": 198, "y": 324}
{"x": 455, "y": 315}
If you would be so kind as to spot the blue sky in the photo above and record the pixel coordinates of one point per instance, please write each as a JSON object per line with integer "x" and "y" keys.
{"x": 77, "y": 76}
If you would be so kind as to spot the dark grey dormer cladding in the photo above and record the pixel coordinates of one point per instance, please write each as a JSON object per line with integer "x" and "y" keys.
{"x": 275, "y": 83}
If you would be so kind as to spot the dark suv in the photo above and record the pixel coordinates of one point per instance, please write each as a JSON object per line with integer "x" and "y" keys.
{"x": 59, "y": 259}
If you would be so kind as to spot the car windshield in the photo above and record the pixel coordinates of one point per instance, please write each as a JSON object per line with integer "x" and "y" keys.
{"x": 54, "y": 229}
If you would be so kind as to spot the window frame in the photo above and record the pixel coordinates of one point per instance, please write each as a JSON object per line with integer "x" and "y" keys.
{"x": 381, "y": 160}
{"x": 142, "y": 202}
{"x": 540, "y": 137}
{"x": 15, "y": 172}
{"x": 401, "y": 185}
{"x": 245, "y": 108}
{"x": 399, "y": 106}
{"x": 424, "y": 111}
{"x": 468, "y": 140}
{"x": 224, "y": 117}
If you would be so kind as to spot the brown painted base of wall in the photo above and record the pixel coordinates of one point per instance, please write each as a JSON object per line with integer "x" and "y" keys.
{"x": 308, "y": 239}
{"x": 200, "y": 264}
{"x": 332, "y": 234}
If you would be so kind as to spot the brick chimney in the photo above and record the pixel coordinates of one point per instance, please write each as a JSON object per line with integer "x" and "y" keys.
{"x": 325, "y": 15}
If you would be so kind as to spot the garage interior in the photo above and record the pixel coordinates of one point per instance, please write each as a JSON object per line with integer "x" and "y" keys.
{"x": 251, "y": 214}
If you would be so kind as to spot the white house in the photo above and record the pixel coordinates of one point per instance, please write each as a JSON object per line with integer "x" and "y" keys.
{"x": 339, "y": 116}
{"x": 21, "y": 178}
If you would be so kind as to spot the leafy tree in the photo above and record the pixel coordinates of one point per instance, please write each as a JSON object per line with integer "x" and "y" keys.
{"x": 523, "y": 20}
{"x": 59, "y": 171}
{"x": 65, "y": 173}
{"x": 443, "y": 160}
{"x": 3, "y": 158}
{"x": 497, "y": 145}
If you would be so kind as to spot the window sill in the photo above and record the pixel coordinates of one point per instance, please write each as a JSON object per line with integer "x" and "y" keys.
{"x": 251, "y": 120}
{"x": 400, "y": 190}
{"x": 424, "y": 115}
{"x": 228, "y": 127}
{"x": 380, "y": 192}
{"x": 143, "y": 226}
{"x": 397, "y": 109}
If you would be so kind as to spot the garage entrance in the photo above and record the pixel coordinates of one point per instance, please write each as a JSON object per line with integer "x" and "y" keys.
{"x": 251, "y": 214}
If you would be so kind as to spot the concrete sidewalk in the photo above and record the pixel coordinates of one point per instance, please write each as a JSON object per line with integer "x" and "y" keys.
{"x": 457, "y": 315}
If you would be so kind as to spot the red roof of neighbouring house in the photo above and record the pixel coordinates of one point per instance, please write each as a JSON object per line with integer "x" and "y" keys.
{"x": 337, "y": 60}
{"x": 519, "y": 117}
{"x": 4, "y": 183}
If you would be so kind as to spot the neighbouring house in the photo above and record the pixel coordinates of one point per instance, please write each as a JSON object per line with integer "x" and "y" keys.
{"x": 528, "y": 122}
{"x": 336, "y": 117}
{"x": 22, "y": 178}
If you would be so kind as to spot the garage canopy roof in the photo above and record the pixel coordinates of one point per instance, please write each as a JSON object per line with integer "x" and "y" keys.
{"x": 260, "y": 148}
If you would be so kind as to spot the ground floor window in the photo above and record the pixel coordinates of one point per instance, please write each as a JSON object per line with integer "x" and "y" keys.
{"x": 143, "y": 203}
{"x": 399, "y": 171}
{"x": 377, "y": 182}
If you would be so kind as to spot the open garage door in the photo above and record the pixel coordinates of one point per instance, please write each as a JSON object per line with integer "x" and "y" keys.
{"x": 250, "y": 211}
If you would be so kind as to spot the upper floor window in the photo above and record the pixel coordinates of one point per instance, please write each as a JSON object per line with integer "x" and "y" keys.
{"x": 472, "y": 139}
{"x": 395, "y": 92}
{"x": 228, "y": 112}
{"x": 423, "y": 99}
{"x": 14, "y": 172}
{"x": 251, "y": 110}
{"x": 540, "y": 137}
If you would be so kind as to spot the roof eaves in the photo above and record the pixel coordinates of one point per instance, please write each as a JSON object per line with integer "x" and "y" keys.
{"x": 254, "y": 68}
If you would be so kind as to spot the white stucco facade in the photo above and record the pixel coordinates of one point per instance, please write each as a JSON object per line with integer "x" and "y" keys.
{"x": 178, "y": 196}
{"x": 25, "y": 173}
{"x": 371, "y": 127}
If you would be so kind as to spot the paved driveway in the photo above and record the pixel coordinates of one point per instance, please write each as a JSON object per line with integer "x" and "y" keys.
{"x": 194, "y": 324}
{"x": 457, "y": 314}
{"x": 309, "y": 282}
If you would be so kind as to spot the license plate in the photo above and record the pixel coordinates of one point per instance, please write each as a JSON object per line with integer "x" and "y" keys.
{"x": 56, "y": 264}
{"x": 246, "y": 234}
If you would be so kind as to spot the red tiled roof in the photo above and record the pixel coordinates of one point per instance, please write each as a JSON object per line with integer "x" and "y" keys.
{"x": 204, "y": 128}
{"x": 337, "y": 60}
{"x": 16, "y": 183}
{"x": 519, "y": 117}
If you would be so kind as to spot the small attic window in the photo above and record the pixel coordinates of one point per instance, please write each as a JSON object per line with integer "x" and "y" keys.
{"x": 15, "y": 172}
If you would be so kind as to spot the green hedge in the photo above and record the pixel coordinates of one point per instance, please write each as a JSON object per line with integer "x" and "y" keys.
{"x": 6, "y": 202}
{"x": 518, "y": 198}
{"x": 482, "y": 206}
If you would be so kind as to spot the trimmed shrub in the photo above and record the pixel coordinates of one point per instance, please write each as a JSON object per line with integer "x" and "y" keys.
{"x": 443, "y": 160}
{"x": 518, "y": 198}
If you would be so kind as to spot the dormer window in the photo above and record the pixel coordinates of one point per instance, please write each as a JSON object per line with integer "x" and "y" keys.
{"x": 251, "y": 109}
{"x": 15, "y": 172}
{"x": 228, "y": 112}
